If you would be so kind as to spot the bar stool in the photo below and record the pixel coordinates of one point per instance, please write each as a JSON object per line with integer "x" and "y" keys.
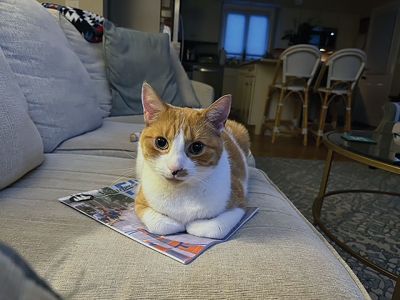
{"x": 344, "y": 68}
{"x": 298, "y": 65}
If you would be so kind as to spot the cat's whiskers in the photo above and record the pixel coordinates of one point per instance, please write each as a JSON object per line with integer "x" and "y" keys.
{"x": 123, "y": 176}
{"x": 155, "y": 168}
{"x": 126, "y": 171}
{"x": 201, "y": 181}
{"x": 123, "y": 169}
{"x": 129, "y": 154}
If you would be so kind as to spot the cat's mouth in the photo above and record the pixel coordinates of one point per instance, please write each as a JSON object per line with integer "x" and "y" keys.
{"x": 174, "y": 180}
{"x": 177, "y": 176}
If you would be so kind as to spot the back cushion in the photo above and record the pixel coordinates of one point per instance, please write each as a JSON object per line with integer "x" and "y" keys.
{"x": 186, "y": 91}
{"x": 132, "y": 57}
{"x": 21, "y": 147}
{"x": 56, "y": 85}
{"x": 91, "y": 56}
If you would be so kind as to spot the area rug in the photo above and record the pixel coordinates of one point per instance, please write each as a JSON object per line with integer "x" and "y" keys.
{"x": 369, "y": 223}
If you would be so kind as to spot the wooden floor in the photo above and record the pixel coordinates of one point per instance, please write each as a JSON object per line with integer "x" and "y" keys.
{"x": 292, "y": 146}
{"x": 287, "y": 147}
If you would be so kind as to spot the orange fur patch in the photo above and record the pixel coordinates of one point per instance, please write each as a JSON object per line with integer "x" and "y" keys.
{"x": 241, "y": 135}
{"x": 141, "y": 204}
{"x": 236, "y": 139}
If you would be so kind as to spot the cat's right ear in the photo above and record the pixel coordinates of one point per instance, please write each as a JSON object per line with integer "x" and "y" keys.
{"x": 218, "y": 112}
{"x": 152, "y": 104}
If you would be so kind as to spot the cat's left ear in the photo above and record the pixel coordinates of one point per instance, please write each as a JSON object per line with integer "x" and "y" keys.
{"x": 152, "y": 104}
{"x": 218, "y": 112}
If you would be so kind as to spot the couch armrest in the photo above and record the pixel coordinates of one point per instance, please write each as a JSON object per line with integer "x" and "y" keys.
{"x": 204, "y": 93}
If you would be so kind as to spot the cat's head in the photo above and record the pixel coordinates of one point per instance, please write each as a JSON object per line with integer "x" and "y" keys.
{"x": 182, "y": 144}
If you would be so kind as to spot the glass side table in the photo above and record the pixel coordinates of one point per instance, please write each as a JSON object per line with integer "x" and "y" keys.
{"x": 384, "y": 155}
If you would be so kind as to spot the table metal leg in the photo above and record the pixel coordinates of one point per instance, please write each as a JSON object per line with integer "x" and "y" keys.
{"x": 322, "y": 194}
{"x": 348, "y": 249}
{"x": 316, "y": 210}
{"x": 317, "y": 205}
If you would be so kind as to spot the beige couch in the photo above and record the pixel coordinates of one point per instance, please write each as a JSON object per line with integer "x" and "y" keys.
{"x": 277, "y": 255}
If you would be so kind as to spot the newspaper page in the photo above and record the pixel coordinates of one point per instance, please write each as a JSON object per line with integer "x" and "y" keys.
{"x": 114, "y": 207}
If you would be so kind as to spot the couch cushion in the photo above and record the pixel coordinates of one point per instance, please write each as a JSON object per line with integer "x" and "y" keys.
{"x": 133, "y": 57}
{"x": 111, "y": 139}
{"x": 91, "y": 56}
{"x": 276, "y": 255}
{"x": 21, "y": 147}
{"x": 56, "y": 85}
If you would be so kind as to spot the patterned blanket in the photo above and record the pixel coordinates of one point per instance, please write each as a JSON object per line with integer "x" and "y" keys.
{"x": 89, "y": 24}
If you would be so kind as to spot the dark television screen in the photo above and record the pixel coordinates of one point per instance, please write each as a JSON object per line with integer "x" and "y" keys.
{"x": 324, "y": 38}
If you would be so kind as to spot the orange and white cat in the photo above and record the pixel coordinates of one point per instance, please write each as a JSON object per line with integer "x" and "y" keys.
{"x": 192, "y": 168}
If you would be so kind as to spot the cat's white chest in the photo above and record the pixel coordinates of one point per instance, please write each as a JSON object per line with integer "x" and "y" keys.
{"x": 189, "y": 201}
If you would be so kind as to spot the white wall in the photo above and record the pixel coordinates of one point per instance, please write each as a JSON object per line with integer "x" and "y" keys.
{"x": 143, "y": 15}
{"x": 346, "y": 24}
{"x": 341, "y": 14}
{"x": 201, "y": 19}
{"x": 344, "y": 15}
{"x": 95, "y": 6}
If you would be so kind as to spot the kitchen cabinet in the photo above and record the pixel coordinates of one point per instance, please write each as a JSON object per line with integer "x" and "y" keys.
{"x": 249, "y": 84}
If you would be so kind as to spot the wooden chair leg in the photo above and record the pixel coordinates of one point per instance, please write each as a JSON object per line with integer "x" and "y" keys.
{"x": 324, "y": 109}
{"x": 305, "y": 119}
{"x": 270, "y": 94}
{"x": 334, "y": 115}
{"x": 347, "y": 127}
{"x": 297, "y": 112}
{"x": 266, "y": 109}
{"x": 278, "y": 115}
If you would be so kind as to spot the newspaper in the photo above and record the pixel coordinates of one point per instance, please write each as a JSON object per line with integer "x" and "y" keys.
{"x": 114, "y": 207}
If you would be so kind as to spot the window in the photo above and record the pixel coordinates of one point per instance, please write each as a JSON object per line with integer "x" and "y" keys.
{"x": 246, "y": 33}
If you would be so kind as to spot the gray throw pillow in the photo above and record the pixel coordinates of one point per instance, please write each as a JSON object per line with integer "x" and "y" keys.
{"x": 21, "y": 147}
{"x": 56, "y": 85}
{"x": 133, "y": 57}
{"x": 186, "y": 91}
{"x": 91, "y": 56}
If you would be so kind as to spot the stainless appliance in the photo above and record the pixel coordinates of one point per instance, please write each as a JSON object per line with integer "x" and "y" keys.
{"x": 211, "y": 74}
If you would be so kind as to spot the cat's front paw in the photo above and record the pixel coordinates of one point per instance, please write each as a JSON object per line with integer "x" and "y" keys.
{"x": 161, "y": 224}
{"x": 206, "y": 228}
{"x": 218, "y": 227}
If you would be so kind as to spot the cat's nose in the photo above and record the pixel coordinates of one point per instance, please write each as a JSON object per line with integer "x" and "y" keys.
{"x": 176, "y": 172}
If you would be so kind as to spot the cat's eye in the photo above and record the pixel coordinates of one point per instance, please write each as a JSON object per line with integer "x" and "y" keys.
{"x": 196, "y": 148}
{"x": 161, "y": 143}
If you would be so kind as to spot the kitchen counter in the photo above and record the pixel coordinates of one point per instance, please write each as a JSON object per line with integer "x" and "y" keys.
{"x": 258, "y": 61}
{"x": 262, "y": 61}
{"x": 188, "y": 65}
